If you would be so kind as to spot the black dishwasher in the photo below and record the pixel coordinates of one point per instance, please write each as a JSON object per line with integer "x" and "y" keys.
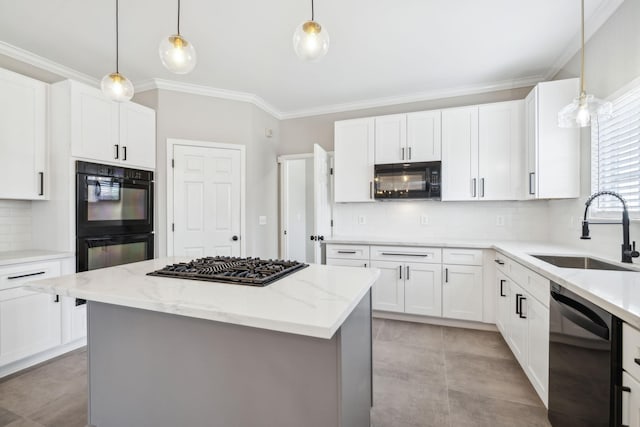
{"x": 585, "y": 371}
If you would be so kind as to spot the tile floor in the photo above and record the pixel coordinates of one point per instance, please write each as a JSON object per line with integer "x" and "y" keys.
{"x": 423, "y": 376}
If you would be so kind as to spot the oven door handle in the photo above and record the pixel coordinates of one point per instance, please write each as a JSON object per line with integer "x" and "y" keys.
{"x": 592, "y": 323}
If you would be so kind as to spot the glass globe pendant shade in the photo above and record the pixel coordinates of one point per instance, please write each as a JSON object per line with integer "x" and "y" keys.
{"x": 310, "y": 41}
{"x": 117, "y": 87}
{"x": 582, "y": 110}
{"x": 177, "y": 54}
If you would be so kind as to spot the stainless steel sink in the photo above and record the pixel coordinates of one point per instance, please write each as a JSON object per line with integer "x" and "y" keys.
{"x": 585, "y": 263}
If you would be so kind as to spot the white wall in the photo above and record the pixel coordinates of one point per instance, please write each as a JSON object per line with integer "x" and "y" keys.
{"x": 612, "y": 60}
{"x": 15, "y": 225}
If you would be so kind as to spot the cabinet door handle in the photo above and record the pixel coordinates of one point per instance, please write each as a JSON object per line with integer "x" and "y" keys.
{"x": 518, "y": 303}
{"x": 482, "y": 184}
{"x": 473, "y": 187}
{"x": 41, "y": 193}
{"x": 57, "y": 298}
{"x": 400, "y": 270}
{"x": 498, "y": 261}
{"x": 402, "y": 153}
{"x": 532, "y": 183}
{"x": 446, "y": 275}
{"x": 25, "y": 275}
{"x": 117, "y": 151}
{"x": 365, "y": 265}
{"x": 401, "y": 254}
{"x": 502, "y": 294}
{"x": 346, "y": 252}
{"x": 407, "y": 272}
{"x": 409, "y": 153}
{"x": 124, "y": 148}
{"x": 371, "y": 189}
{"x": 522, "y": 298}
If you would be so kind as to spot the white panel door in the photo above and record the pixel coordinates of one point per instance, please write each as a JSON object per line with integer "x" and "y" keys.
{"x": 322, "y": 202}
{"x": 630, "y": 401}
{"x": 94, "y": 125}
{"x": 538, "y": 346}
{"x": 388, "y": 291}
{"x": 518, "y": 327}
{"x": 530, "y": 137}
{"x": 23, "y": 131}
{"x": 424, "y": 138}
{"x": 137, "y": 135}
{"x": 462, "y": 292}
{"x": 500, "y": 145}
{"x": 423, "y": 289}
{"x": 503, "y": 292}
{"x": 354, "y": 151}
{"x": 460, "y": 153}
{"x": 30, "y": 322}
{"x": 206, "y": 197}
{"x": 391, "y": 139}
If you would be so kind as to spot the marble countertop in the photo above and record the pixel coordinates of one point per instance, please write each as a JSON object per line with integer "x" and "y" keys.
{"x": 32, "y": 255}
{"x": 314, "y": 301}
{"x": 616, "y": 291}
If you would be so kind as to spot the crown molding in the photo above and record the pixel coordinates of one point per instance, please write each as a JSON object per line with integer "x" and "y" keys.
{"x": 209, "y": 91}
{"x": 591, "y": 26}
{"x": 415, "y": 97}
{"x": 46, "y": 64}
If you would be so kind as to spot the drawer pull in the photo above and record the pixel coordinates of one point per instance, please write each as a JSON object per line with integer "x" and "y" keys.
{"x": 25, "y": 275}
{"x": 637, "y": 361}
{"x": 498, "y": 261}
{"x": 399, "y": 254}
{"x": 57, "y": 298}
{"x": 502, "y": 282}
{"x": 346, "y": 252}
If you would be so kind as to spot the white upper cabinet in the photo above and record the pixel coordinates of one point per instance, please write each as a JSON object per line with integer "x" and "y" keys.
{"x": 407, "y": 138}
{"x": 424, "y": 136}
{"x": 500, "y": 144}
{"x": 481, "y": 151}
{"x": 106, "y": 131}
{"x": 552, "y": 153}
{"x": 391, "y": 139}
{"x": 137, "y": 135}
{"x": 23, "y": 137}
{"x": 353, "y": 165}
{"x": 460, "y": 153}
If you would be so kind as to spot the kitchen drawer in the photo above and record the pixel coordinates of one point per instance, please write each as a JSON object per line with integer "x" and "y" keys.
{"x": 362, "y": 263}
{"x": 17, "y": 275}
{"x": 533, "y": 283}
{"x": 347, "y": 251}
{"x": 502, "y": 263}
{"x": 462, "y": 256}
{"x": 406, "y": 254}
{"x": 631, "y": 350}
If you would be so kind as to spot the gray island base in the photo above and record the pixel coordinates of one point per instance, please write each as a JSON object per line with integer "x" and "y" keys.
{"x": 155, "y": 369}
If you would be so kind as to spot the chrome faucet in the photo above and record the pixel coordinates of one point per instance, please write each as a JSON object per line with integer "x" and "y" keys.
{"x": 628, "y": 252}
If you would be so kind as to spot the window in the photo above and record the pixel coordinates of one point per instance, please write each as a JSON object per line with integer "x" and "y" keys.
{"x": 615, "y": 153}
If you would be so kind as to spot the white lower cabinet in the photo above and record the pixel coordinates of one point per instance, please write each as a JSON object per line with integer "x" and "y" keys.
{"x": 462, "y": 292}
{"x": 388, "y": 291}
{"x": 630, "y": 401}
{"x": 423, "y": 289}
{"x": 523, "y": 320}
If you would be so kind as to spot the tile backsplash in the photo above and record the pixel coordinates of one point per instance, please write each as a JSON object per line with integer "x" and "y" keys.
{"x": 15, "y": 225}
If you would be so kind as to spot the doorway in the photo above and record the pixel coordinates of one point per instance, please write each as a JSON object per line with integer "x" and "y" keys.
{"x": 305, "y": 205}
{"x": 205, "y": 199}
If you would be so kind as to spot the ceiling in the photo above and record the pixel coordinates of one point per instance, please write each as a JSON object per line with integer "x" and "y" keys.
{"x": 380, "y": 49}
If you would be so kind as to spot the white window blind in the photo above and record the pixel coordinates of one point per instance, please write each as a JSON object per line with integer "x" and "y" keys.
{"x": 615, "y": 154}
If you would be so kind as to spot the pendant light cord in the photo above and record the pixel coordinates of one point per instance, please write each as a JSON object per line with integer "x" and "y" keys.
{"x": 582, "y": 54}
{"x": 178, "y": 17}
{"x": 312, "y": 15}
{"x": 117, "y": 39}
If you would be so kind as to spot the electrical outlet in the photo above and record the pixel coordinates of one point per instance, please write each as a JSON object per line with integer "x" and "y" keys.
{"x": 362, "y": 220}
{"x": 500, "y": 220}
{"x": 424, "y": 219}
{"x": 262, "y": 220}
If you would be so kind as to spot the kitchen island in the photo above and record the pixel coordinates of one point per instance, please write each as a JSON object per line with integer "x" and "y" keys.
{"x": 169, "y": 352}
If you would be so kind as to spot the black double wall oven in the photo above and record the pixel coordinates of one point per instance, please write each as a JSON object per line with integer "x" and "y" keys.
{"x": 114, "y": 215}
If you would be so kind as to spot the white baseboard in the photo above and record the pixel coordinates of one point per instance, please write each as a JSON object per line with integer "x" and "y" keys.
{"x": 30, "y": 361}
{"x": 435, "y": 321}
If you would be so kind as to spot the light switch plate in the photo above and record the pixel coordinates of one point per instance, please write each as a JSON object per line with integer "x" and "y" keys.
{"x": 500, "y": 220}
{"x": 262, "y": 220}
{"x": 362, "y": 220}
{"x": 424, "y": 219}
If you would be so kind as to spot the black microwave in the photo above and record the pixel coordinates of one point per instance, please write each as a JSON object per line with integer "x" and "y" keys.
{"x": 420, "y": 180}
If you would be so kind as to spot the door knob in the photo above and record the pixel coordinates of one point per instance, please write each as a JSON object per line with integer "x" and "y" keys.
{"x": 320, "y": 237}
{"x": 234, "y": 238}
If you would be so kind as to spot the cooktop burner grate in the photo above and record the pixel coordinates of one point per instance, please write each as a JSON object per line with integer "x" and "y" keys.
{"x": 240, "y": 271}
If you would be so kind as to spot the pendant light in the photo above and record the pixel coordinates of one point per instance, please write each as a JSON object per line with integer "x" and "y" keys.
{"x": 310, "y": 40}
{"x": 116, "y": 86}
{"x": 176, "y": 53}
{"x": 585, "y": 107}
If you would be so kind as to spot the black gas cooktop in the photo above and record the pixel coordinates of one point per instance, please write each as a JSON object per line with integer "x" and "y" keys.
{"x": 239, "y": 271}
